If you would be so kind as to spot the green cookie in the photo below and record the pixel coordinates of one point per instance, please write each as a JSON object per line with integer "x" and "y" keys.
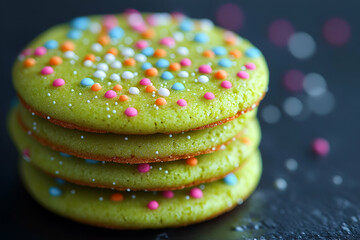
{"x": 172, "y": 76}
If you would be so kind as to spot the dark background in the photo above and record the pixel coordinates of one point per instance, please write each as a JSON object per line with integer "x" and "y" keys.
{"x": 311, "y": 207}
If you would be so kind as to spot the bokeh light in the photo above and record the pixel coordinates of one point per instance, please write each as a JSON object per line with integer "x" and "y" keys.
{"x": 301, "y": 45}
{"x": 280, "y": 31}
{"x": 230, "y": 16}
{"x": 292, "y": 106}
{"x": 314, "y": 84}
{"x": 271, "y": 114}
{"x": 337, "y": 31}
{"x": 293, "y": 80}
{"x": 321, "y": 105}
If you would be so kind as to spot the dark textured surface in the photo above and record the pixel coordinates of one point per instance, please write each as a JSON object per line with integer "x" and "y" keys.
{"x": 312, "y": 206}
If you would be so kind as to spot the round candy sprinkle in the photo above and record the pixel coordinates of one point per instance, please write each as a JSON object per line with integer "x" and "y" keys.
{"x": 252, "y": 52}
{"x": 74, "y": 34}
{"x": 224, "y": 62}
{"x": 102, "y": 66}
{"x": 160, "y": 101}
{"x": 181, "y": 102}
{"x": 167, "y": 194}
{"x": 67, "y": 46}
{"x": 87, "y": 82}
{"x": 140, "y": 57}
{"x": 110, "y": 21}
{"x": 29, "y": 62}
{"x": 196, "y": 193}
{"x": 60, "y": 181}
{"x": 145, "y": 82}
{"x": 151, "y": 72}
{"x": 178, "y": 86}
{"x": 115, "y": 77}
{"x": 117, "y": 197}
{"x": 167, "y": 41}
{"x": 192, "y": 161}
{"x": 110, "y": 94}
{"x": 174, "y": 67}
{"x": 96, "y": 87}
{"x": 186, "y": 25}
{"x": 26, "y": 52}
{"x": 131, "y": 112}
{"x": 201, "y": 38}
{"x": 129, "y": 62}
{"x": 117, "y": 87}
{"x": 219, "y": 51}
{"x": 99, "y": 74}
{"x": 205, "y": 69}
{"x": 116, "y": 33}
{"x": 127, "y": 75}
{"x": 243, "y": 75}
{"x": 47, "y": 70}
{"x": 320, "y": 147}
{"x": 55, "y": 60}
{"x": 185, "y": 62}
{"x": 163, "y": 92}
{"x": 208, "y": 54}
{"x": 250, "y": 66}
{"x": 55, "y": 191}
{"x": 39, "y": 51}
{"x": 183, "y": 74}
{"x": 209, "y": 96}
{"x": 220, "y": 74}
{"x": 146, "y": 66}
{"x": 226, "y": 84}
{"x": 167, "y": 75}
{"x": 134, "y": 90}
{"x": 159, "y": 53}
{"x": 123, "y": 98}
{"x": 230, "y": 179}
{"x": 183, "y": 51}
{"x": 141, "y": 44}
{"x": 162, "y": 63}
{"x": 143, "y": 168}
{"x": 51, "y": 44}
{"x": 203, "y": 79}
{"x": 150, "y": 88}
{"x": 236, "y": 53}
{"x": 58, "y": 82}
{"x": 149, "y": 51}
{"x": 152, "y": 205}
{"x": 81, "y": 23}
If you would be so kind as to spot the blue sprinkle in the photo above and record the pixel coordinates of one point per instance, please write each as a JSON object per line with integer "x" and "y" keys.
{"x": 219, "y": 51}
{"x": 225, "y": 62}
{"x": 149, "y": 51}
{"x": 51, "y": 44}
{"x": 167, "y": 75}
{"x": 90, "y": 161}
{"x": 60, "y": 181}
{"x": 74, "y": 34}
{"x": 252, "y": 52}
{"x": 86, "y": 82}
{"x": 186, "y": 25}
{"x": 81, "y": 23}
{"x": 230, "y": 179}
{"x": 55, "y": 191}
{"x": 178, "y": 86}
{"x": 116, "y": 33}
{"x": 201, "y": 38}
{"x": 162, "y": 63}
{"x": 64, "y": 154}
{"x": 146, "y": 65}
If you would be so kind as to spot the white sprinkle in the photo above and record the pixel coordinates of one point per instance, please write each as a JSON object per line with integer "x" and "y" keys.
{"x": 183, "y": 74}
{"x": 170, "y": 135}
{"x": 178, "y": 36}
{"x": 187, "y": 197}
{"x": 95, "y": 27}
{"x": 127, "y": 75}
{"x": 126, "y": 138}
{"x": 163, "y": 92}
{"x": 109, "y": 58}
{"x": 54, "y": 102}
{"x": 134, "y": 90}
{"x": 70, "y": 105}
{"x": 116, "y": 65}
{"x": 128, "y": 52}
{"x": 203, "y": 79}
{"x": 291, "y": 164}
{"x": 57, "y": 172}
{"x": 101, "y": 198}
{"x": 108, "y": 116}
{"x": 96, "y": 47}
{"x": 102, "y": 66}
{"x": 188, "y": 137}
{"x": 115, "y": 77}
{"x": 69, "y": 54}
{"x": 183, "y": 51}
{"x": 49, "y": 94}
{"x": 157, "y": 152}
{"x": 114, "y": 183}
{"x": 166, "y": 171}
{"x": 99, "y": 74}
{"x": 280, "y": 184}
{"x": 113, "y": 111}
{"x": 140, "y": 57}
{"x": 93, "y": 179}
{"x": 88, "y": 63}
{"x": 82, "y": 137}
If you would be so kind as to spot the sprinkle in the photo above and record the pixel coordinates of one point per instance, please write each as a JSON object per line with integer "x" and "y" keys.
{"x": 192, "y": 161}
{"x": 110, "y": 94}
{"x": 243, "y": 75}
{"x": 134, "y": 90}
{"x": 149, "y": 51}
{"x": 220, "y": 74}
{"x": 208, "y": 54}
{"x": 116, "y": 65}
{"x": 113, "y": 51}
{"x": 96, "y": 87}
{"x": 181, "y": 102}
{"x": 123, "y": 98}
{"x": 174, "y": 67}
{"x": 81, "y": 23}
{"x": 128, "y": 52}
{"x": 47, "y": 70}
{"x": 87, "y": 82}
{"x": 127, "y": 75}
{"x": 185, "y": 62}
{"x": 148, "y": 33}
{"x": 90, "y": 57}
{"x": 96, "y": 47}
{"x": 230, "y": 179}
{"x": 141, "y": 44}
{"x": 29, "y": 62}
{"x": 167, "y": 41}
{"x": 146, "y": 66}
{"x": 117, "y": 87}
{"x": 236, "y": 53}
{"x": 203, "y": 79}
{"x": 131, "y": 112}
{"x": 178, "y": 86}
{"x": 162, "y": 63}
{"x": 201, "y": 38}
{"x": 219, "y": 51}
{"x": 143, "y": 168}
{"x": 160, "y": 53}
{"x": 205, "y": 69}
{"x": 103, "y": 40}
{"x": 109, "y": 58}
{"x": 55, "y": 191}
{"x": 55, "y": 60}
{"x": 115, "y": 77}
{"x": 67, "y": 46}
{"x": 152, "y": 205}
{"x": 224, "y": 62}
{"x": 186, "y": 25}
{"x": 160, "y": 101}
{"x": 102, "y": 66}
{"x": 39, "y": 51}
{"x": 99, "y": 74}
{"x": 140, "y": 57}
{"x": 74, "y": 34}
{"x": 150, "y": 89}
{"x": 320, "y": 147}
{"x": 163, "y": 92}
{"x": 51, "y": 44}
{"x": 250, "y": 66}
{"x": 91, "y": 161}
{"x": 58, "y": 82}
{"x": 209, "y": 96}
{"x": 117, "y": 197}
{"x": 184, "y": 74}
{"x": 226, "y": 84}
{"x": 183, "y": 51}
{"x": 252, "y": 52}
{"x": 116, "y": 33}
{"x": 167, "y": 75}
{"x": 151, "y": 72}
{"x": 168, "y": 194}
{"x": 196, "y": 193}
{"x": 130, "y": 62}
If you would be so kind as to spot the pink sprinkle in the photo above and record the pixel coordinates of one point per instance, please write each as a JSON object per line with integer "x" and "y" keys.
{"x": 152, "y": 205}
{"x": 135, "y": 19}
{"x": 141, "y": 44}
{"x": 110, "y": 21}
{"x": 209, "y": 96}
{"x": 181, "y": 102}
{"x": 39, "y": 51}
{"x": 185, "y": 62}
{"x": 167, "y": 41}
{"x": 321, "y": 147}
{"x": 205, "y": 69}
{"x": 131, "y": 11}
{"x": 143, "y": 168}
{"x": 250, "y": 66}
{"x": 58, "y": 82}
{"x": 294, "y": 80}
{"x": 139, "y": 28}
{"x": 196, "y": 193}
{"x": 26, "y": 52}
{"x": 168, "y": 194}
{"x": 243, "y": 75}
{"x": 178, "y": 16}
{"x": 226, "y": 84}
{"x": 47, "y": 70}
{"x": 151, "y": 20}
{"x": 110, "y": 94}
{"x": 145, "y": 81}
{"x": 131, "y": 112}
{"x": 26, "y": 152}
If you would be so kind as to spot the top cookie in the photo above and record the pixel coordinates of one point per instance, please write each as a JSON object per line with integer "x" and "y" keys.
{"x": 138, "y": 73}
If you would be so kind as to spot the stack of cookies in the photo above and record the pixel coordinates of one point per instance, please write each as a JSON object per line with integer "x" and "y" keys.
{"x": 137, "y": 120}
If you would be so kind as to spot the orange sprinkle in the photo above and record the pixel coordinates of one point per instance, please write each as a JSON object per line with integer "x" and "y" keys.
{"x": 150, "y": 88}
{"x": 149, "y": 33}
{"x": 246, "y": 140}
{"x": 129, "y": 62}
{"x": 113, "y": 51}
{"x": 151, "y": 72}
{"x": 123, "y": 98}
{"x": 90, "y": 57}
{"x": 117, "y": 87}
{"x": 192, "y": 161}
{"x": 230, "y": 40}
{"x": 174, "y": 67}
{"x": 220, "y": 74}
{"x": 67, "y": 46}
{"x": 236, "y": 53}
{"x": 117, "y": 197}
{"x": 96, "y": 87}
{"x": 160, "y": 101}
{"x": 29, "y": 62}
{"x": 104, "y": 40}
{"x": 208, "y": 54}
{"x": 160, "y": 53}
{"x": 55, "y": 60}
